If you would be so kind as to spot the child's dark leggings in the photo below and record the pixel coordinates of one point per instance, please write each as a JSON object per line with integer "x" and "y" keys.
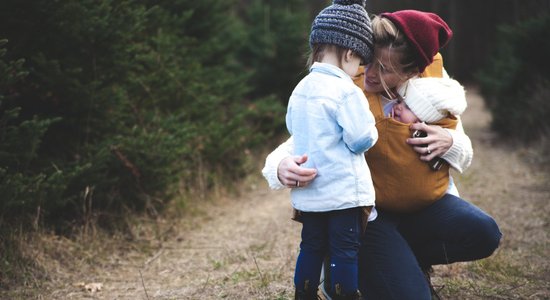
{"x": 338, "y": 234}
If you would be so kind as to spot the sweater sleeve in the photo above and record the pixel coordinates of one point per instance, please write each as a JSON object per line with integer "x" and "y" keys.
{"x": 272, "y": 162}
{"x": 460, "y": 155}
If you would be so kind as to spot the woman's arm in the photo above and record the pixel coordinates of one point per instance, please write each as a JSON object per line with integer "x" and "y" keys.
{"x": 282, "y": 169}
{"x": 454, "y": 146}
{"x": 460, "y": 155}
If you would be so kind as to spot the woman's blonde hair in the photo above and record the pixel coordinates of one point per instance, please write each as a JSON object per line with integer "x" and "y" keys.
{"x": 387, "y": 35}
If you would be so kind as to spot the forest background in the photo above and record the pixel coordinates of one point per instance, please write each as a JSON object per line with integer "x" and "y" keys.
{"x": 116, "y": 108}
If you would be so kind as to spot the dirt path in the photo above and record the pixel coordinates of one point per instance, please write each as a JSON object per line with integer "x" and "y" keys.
{"x": 246, "y": 248}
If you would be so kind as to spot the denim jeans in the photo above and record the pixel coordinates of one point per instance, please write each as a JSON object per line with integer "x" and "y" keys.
{"x": 336, "y": 233}
{"x": 396, "y": 248}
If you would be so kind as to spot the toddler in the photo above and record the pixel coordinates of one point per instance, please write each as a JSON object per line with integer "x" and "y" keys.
{"x": 330, "y": 121}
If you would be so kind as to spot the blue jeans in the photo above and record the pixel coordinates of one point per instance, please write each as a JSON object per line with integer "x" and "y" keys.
{"x": 338, "y": 234}
{"x": 396, "y": 248}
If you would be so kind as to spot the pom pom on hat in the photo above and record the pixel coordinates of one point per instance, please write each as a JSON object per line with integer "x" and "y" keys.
{"x": 432, "y": 99}
{"x": 346, "y": 24}
{"x": 426, "y": 32}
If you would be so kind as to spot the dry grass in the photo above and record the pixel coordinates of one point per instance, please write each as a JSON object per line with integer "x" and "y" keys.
{"x": 224, "y": 248}
{"x": 245, "y": 247}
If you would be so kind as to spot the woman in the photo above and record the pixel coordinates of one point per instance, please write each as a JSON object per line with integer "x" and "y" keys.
{"x": 399, "y": 248}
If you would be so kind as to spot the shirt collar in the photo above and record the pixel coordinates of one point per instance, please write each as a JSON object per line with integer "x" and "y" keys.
{"x": 329, "y": 69}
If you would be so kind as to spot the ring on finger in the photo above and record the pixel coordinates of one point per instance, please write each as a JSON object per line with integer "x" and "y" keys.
{"x": 297, "y": 183}
{"x": 428, "y": 148}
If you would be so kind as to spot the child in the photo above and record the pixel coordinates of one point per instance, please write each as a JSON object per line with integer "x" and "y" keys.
{"x": 330, "y": 120}
{"x": 403, "y": 179}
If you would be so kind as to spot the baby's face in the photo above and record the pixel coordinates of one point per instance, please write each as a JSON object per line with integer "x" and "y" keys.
{"x": 402, "y": 113}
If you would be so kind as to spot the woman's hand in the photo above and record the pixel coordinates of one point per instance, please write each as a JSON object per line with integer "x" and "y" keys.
{"x": 292, "y": 175}
{"x": 438, "y": 141}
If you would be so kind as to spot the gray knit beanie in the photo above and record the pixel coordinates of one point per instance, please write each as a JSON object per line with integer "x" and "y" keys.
{"x": 346, "y": 24}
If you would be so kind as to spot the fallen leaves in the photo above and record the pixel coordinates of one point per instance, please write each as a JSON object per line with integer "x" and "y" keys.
{"x": 92, "y": 287}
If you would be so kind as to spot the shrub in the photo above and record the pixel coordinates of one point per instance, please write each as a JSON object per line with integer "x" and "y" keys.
{"x": 516, "y": 84}
{"x": 118, "y": 105}
{"x": 275, "y": 46}
{"x": 23, "y": 188}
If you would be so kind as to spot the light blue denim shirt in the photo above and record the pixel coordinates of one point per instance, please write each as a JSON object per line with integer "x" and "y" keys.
{"x": 330, "y": 121}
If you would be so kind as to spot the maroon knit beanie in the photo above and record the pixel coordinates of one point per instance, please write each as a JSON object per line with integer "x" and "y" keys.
{"x": 425, "y": 31}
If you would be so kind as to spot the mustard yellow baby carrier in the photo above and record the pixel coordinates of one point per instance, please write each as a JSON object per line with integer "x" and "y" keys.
{"x": 402, "y": 182}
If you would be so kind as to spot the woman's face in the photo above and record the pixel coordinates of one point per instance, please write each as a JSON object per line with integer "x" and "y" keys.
{"x": 383, "y": 68}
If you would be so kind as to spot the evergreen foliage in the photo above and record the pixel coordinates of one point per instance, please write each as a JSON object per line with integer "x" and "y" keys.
{"x": 117, "y": 105}
{"x": 516, "y": 83}
{"x": 276, "y": 45}
{"x": 23, "y": 189}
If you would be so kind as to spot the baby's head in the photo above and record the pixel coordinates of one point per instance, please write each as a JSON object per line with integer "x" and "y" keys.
{"x": 343, "y": 25}
{"x": 429, "y": 100}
